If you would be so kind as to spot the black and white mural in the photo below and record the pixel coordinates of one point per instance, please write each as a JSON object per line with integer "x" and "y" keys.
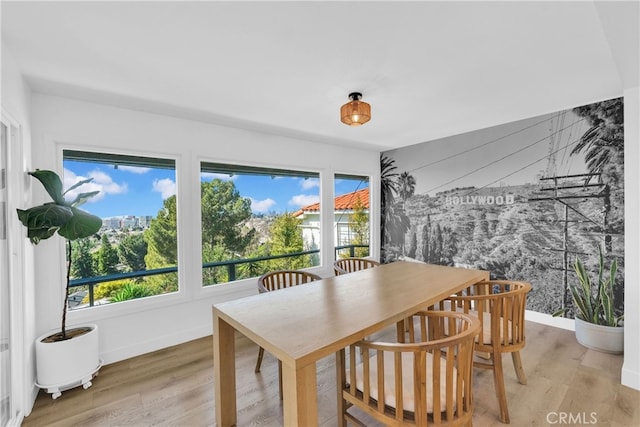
{"x": 520, "y": 200}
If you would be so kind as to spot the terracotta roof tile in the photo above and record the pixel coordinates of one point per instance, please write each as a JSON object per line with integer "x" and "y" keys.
{"x": 342, "y": 202}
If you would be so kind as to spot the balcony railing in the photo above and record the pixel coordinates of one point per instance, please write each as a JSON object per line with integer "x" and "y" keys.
{"x": 230, "y": 265}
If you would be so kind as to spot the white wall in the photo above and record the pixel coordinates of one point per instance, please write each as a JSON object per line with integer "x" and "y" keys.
{"x": 16, "y": 97}
{"x": 135, "y": 327}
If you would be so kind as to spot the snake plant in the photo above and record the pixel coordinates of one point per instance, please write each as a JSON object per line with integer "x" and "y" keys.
{"x": 593, "y": 301}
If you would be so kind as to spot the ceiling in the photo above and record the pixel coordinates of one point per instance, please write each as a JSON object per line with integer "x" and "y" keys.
{"x": 428, "y": 69}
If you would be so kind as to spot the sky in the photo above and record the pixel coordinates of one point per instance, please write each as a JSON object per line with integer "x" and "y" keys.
{"x": 140, "y": 191}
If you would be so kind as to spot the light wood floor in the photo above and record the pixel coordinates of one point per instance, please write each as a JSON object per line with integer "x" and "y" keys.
{"x": 174, "y": 387}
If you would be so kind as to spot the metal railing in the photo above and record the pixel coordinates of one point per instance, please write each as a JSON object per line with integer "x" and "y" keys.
{"x": 230, "y": 265}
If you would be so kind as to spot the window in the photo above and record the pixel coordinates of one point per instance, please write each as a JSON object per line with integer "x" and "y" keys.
{"x": 351, "y": 212}
{"x": 135, "y": 253}
{"x": 256, "y": 220}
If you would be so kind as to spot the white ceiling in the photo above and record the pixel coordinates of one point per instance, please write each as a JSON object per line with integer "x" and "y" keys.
{"x": 429, "y": 69}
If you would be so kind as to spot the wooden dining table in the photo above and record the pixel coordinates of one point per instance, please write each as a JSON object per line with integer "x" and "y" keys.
{"x": 303, "y": 324}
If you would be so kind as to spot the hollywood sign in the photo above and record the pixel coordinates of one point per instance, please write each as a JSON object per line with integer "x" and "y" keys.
{"x": 506, "y": 199}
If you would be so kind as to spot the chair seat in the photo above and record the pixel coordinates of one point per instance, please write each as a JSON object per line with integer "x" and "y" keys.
{"x": 407, "y": 382}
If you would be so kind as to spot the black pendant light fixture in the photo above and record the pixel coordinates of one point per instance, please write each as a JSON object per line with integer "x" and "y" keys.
{"x": 355, "y": 112}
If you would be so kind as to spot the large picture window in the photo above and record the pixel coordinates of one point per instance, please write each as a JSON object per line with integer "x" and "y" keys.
{"x": 135, "y": 253}
{"x": 256, "y": 220}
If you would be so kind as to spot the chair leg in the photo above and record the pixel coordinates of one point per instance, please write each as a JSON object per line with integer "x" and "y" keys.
{"x": 259, "y": 362}
{"x": 517, "y": 365}
{"x": 498, "y": 379}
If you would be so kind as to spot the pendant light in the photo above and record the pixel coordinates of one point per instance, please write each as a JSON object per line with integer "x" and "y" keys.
{"x": 355, "y": 112}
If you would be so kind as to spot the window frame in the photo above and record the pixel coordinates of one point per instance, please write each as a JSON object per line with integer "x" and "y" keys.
{"x": 229, "y": 288}
{"x": 105, "y": 311}
{"x": 336, "y": 226}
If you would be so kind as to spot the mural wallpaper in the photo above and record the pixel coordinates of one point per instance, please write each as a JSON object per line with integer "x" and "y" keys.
{"x": 520, "y": 200}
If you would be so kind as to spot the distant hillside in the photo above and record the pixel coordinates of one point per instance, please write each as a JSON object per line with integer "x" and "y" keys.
{"x": 499, "y": 229}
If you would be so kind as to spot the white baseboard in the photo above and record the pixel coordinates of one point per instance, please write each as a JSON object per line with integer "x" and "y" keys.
{"x": 630, "y": 378}
{"x": 549, "y": 320}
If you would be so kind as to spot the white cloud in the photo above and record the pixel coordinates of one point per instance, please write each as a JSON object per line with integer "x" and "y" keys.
{"x": 304, "y": 200}
{"x": 166, "y": 187}
{"x": 309, "y": 183}
{"x": 138, "y": 170}
{"x": 210, "y": 176}
{"x": 101, "y": 182}
{"x": 262, "y": 205}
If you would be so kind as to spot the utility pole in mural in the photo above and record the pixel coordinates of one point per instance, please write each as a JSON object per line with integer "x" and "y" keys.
{"x": 520, "y": 200}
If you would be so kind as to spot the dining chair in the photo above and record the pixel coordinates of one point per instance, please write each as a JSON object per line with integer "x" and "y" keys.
{"x": 423, "y": 378}
{"x": 274, "y": 281}
{"x": 349, "y": 265}
{"x": 499, "y": 305}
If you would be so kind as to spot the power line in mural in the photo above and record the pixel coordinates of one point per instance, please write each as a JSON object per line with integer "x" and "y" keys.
{"x": 505, "y": 157}
{"x": 435, "y": 162}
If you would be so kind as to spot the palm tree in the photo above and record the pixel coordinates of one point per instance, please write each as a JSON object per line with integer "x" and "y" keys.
{"x": 603, "y": 143}
{"x": 406, "y": 186}
{"x": 388, "y": 183}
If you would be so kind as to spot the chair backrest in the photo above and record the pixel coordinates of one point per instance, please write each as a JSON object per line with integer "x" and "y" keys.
{"x": 349, "y": 265}
{"x": 425, "y": 380}
{"x": 281, "y": 279}
{"x": 500, "y": 307}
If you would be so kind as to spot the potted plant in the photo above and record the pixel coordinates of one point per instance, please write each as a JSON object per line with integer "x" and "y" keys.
{"x": 64, "y": 358}
{"x": 598, "y": 325}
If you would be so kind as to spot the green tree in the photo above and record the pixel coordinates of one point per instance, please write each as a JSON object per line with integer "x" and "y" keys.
{"x": 224, "y": 211}
{"x": 360, "y": 228}
{"x": 107, "y": 257}
{"x": 162, "y": 237}
{"x": 285, "y": 238}
{"x": 83, "y": 262}
{"x": 162, "y": 247}
{"x": 132, "y": 250}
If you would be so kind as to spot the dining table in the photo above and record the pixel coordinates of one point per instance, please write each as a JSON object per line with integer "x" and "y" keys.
{"x": 303, "y": 324}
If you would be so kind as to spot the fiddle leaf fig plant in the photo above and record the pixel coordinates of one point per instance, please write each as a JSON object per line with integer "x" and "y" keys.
{"x": 61, "y": 217}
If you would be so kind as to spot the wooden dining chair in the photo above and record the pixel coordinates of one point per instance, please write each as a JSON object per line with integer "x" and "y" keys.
{"x": 349, "y": 265}
{"x": 424, "y": 378}
{"x": 499, "y": 305}
{"x": 274, "y": 281}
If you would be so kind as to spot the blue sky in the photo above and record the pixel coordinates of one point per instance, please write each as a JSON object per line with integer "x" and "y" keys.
{"x": 140, "y": 191}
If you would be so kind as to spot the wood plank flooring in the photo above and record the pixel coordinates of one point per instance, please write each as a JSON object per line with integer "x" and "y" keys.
{"x": 174, "y": 387}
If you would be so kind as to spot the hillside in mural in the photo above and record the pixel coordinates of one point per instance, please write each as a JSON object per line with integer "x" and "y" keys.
{"x": 530, "y": 230}
{"x": 506, "y": 231}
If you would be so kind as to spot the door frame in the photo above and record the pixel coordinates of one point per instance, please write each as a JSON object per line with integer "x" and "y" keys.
{"x": 16, "y": 197}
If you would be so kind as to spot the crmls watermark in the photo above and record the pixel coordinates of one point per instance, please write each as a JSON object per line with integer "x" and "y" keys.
{"x": 579, "y": 418}
{"x": 507, "y": 199}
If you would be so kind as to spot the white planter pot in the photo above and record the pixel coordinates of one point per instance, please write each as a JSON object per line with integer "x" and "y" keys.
{"x": 608, "y": 339}
{"x": 65, "y": 364}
